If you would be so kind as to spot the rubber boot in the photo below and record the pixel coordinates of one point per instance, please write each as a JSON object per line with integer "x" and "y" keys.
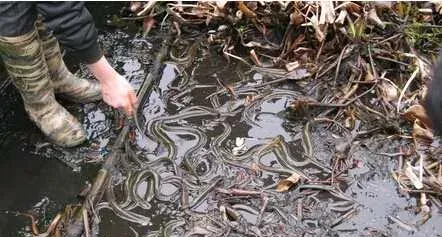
{"x": 66, "y": 84}
{"x": 26, "y": 65}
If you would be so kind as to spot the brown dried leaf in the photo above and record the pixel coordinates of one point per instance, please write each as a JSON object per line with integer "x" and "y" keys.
{"x": 401, "y": 8}
{"x": 417, "y": 111}
{"x": 247, "y": 12}
{"x": 350, "y": 120}
{"x": 296, "y": 19}
{"x": 352, "y": 7}
{"x": 252, "y": 5}
{"x": 292, "y": 66}
{"x": 230, "y": 90}
{"x": 368, "y": 76}
{"x": 287, "y": 183}
{"x": 419, "y": 132}
{"x": 300, "y": 104}
{"x": 389, "y": 92}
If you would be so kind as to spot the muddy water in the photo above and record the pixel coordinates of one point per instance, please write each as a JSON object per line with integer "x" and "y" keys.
{"x": 228, "y": 141}
{"x": 203, "y": 140}
{"x": 30, "y": 174}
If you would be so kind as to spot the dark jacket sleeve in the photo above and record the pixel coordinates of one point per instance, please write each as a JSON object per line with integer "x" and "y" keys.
{"x": 74, "y": 27}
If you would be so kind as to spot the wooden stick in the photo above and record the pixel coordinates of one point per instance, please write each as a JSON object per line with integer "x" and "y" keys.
{"x": 76, "y": 227}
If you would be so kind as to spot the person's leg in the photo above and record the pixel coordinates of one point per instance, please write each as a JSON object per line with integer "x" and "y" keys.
{"x": 65, "y": 83}
{"x": 22, "y": 54}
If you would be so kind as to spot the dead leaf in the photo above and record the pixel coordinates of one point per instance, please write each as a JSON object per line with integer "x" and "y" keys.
{"x": 368, "y": 76}
{"x": 249, "y": 13}
{"x": 221, "y": 3}
{"x": 401, "y": 8}
{"x": 301, "y": 104}
{"x": 417, "y": 111}
{"x": 373, "y": 17}
{"x": 296, "y": 18}
{"x": 252, "y": 5}
{"x": 413, "y": 177}
{"x": 327, "y": 12}
{"x": 350, "y": 120}
{"x": 292, "y": 66}
{"x": 320, "y": 36}
{"x": 230, "y": 90}
{"x": 389, "y": 92}
{"x": 341, "y": 17}
{"x": 287, "y": 183}
{"x": 249, "y": 99}
{"x": 419, "y": 132}
{"x": 352, "y": 7}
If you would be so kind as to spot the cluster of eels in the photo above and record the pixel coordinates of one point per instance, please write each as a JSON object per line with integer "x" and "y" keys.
{"x": 214, "y": 183}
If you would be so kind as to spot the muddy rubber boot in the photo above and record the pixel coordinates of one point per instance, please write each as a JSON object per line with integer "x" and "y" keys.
{"x": 25, "y": 63}
{"x": 66, "y": 84}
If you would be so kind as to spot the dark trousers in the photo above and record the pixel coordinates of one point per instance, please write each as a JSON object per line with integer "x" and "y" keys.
{"x": 71, "y": 23}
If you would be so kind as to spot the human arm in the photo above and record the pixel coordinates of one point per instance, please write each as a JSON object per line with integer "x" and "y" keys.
{"x": 73, "y": 26}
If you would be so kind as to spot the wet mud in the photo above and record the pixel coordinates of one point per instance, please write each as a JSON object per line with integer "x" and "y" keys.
{"x": 211, "y": 157}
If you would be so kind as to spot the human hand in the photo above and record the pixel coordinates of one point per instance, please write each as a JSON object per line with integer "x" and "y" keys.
{"x": 118, "y": 93}
{"x": 116, "y": 90}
